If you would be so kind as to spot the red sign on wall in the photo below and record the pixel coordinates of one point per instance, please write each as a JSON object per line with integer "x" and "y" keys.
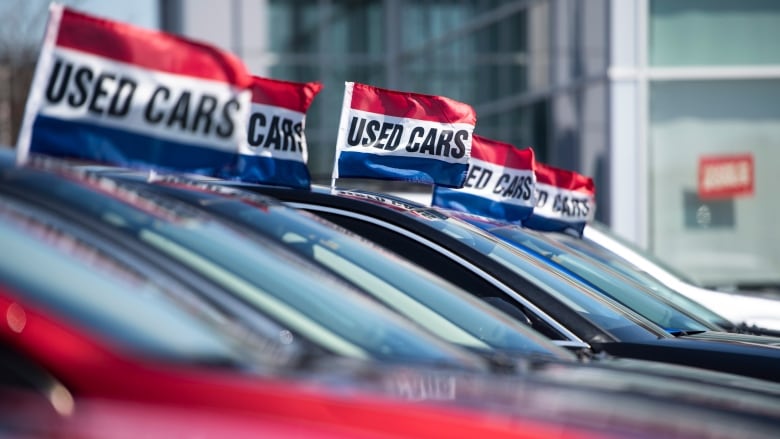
{"x": 726, "y": 176}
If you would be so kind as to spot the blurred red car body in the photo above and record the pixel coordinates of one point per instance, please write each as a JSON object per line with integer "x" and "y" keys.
{"x": 231, "y": 402}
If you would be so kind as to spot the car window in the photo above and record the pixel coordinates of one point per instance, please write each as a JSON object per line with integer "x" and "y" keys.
{"x": 644, "y": 253}
{"x": 622, "y": 291}
{"x": 391, "y": 296}
{"x": 540, "y": 275}
{"x": 604, "y": 256}
{"x": 569, "y": 292}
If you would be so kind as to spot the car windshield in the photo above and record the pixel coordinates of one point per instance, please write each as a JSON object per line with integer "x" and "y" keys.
{"x": 576, "y": 296}
{"x": 613, "y": 286}
{"x": 301, "y": 296}
{"x": 432, "y": 302}
{"x": 604, "y": 256}
{"x": 603, "y": 229}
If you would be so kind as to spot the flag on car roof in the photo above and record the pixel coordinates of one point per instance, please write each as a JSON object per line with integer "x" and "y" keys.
{"x": 564, "y": 199}
{"x": 500, "y": 183}
{"x": 277, "y": 152}
{"x": 393, "y": 135}
{"x": 110, "y": 92}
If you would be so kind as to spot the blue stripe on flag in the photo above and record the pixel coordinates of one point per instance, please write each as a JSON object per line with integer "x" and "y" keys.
{"x": 545, "y": 224}
{"x": 277, "y": 172}
{"x": 470, "y": 203}
{"x": 69, "y": 139}
{"x": 412, "y": 169}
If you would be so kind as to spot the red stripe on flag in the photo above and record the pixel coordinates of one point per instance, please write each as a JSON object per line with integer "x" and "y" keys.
{"x": 411, "y": 105}
{"x": 500, "y": 153}
{"x": 149, "y": 49}
{"x": 564, "y": 179}
{"x": 295, "y": 96}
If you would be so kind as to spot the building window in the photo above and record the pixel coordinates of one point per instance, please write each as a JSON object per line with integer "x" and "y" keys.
{"x": 726, "y": 239}
{"x": 714, "y": 32}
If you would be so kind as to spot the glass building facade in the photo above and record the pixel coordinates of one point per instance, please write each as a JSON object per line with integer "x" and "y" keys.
{"x": 501, "y": 57}
{"x": 634, "y": 93}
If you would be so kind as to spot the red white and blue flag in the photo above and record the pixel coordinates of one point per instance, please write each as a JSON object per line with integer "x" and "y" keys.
{"x": 500, "y": 183}
{"x": 110, "y": 92}
{"x": 564, "y": 199}
{"x": 276, "y": 151}
{"x": 392, "y": 135}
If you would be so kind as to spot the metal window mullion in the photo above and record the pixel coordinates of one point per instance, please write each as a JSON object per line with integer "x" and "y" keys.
{"x": 642, "y": 166}
{"x": 392, "y": 43}
{"x": 704, "y": 73}
{"x": 324, "y": 133}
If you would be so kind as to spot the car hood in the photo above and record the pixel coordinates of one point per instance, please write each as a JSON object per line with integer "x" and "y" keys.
{"x": 732, "y": 356}
{"x": 742, "y": 339}
{"x": 692, "y": 374}
{"x": 552, "y": 389}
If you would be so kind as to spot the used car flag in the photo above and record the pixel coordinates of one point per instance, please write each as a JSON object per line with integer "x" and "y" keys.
{"x": 276, "y": 151}
{"x": 110, "y": 92}
{"x": 564, "y": 200}
{"x": 500, "y": 183}
{"x": 393, "y": 135}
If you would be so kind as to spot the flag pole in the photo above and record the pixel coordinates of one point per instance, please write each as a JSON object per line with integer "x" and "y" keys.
{"x": 342, "y": 133}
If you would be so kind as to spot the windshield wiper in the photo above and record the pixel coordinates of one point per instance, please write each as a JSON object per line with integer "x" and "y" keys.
{"x": 681, "y": 332}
